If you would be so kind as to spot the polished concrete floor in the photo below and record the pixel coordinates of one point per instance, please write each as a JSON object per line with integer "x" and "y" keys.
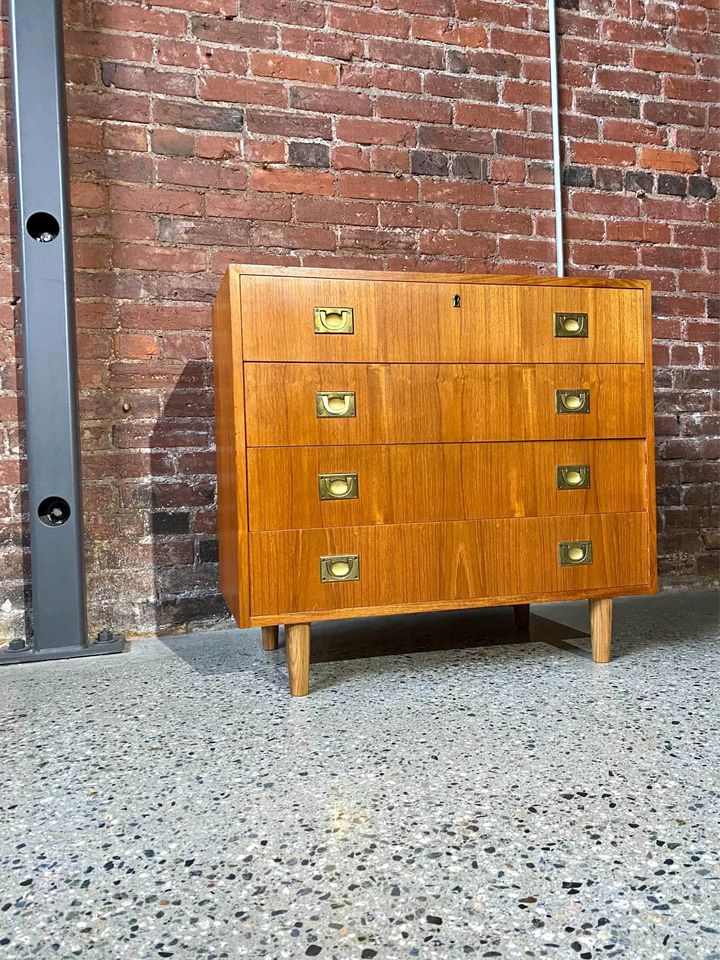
{"x": 449, "y": 789}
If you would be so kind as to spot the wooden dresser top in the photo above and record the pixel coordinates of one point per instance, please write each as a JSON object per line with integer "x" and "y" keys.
{"x": 337, "y": 273}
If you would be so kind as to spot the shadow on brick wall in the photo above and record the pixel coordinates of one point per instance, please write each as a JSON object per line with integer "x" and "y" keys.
{"x": 182, "y": 505}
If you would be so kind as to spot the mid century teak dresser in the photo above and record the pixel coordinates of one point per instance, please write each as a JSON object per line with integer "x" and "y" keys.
{"x": 396, "y": 442}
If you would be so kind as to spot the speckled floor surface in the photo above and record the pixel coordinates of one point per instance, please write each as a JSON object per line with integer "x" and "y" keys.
{"x": 490, "y": 797}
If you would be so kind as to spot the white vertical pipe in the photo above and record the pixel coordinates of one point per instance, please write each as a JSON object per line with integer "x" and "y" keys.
{"x": 555, "y": 113}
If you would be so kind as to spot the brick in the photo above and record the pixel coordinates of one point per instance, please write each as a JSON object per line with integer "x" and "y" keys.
{"x": 638, "y": 231}
{"x": 376, "y": 187}
{"x": 303, "y": 154}
{"x": 602, "y": 154}
{"x": 425, "y": 163}
{"x": 305, "y": 13}
{"x": 702, "y": 187}
{"x": 240, "y": 90}
{"x": 383, "y": 78}
{"x": 390, "y": 159}
{"x": 410, "y": 108}
{"x": 195, "y": 116}
{"x": 366, "y": 22}
{"x": 288, "y": 124}
{"x": 671, "y": 183}
{"x": 292, "y": 181}
{"x": 355, "y": 213}
{"x": 375, "y": 131}
{"x": 499, "y": 118}
{"x": 283, "y": 67}
{"x": 407, "y": 53}
{"x": 574, "y": 176}
{"x": 661, "y": 61}
{"x": 598, "y": 105}
{"x": 238, "y": 33}
{"x": 654, "y": 158}
{"x": 337, "y": 46}
{"x": 453, "y": 138}
{"x": 331, "y": 101}
{"x": 449, "y": 32}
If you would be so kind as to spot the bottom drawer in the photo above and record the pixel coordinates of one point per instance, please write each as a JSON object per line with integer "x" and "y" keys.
{"x": 425, "y": 564}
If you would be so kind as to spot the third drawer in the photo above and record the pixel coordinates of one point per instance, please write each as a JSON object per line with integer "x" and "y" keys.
{"x": 306, "y": 487}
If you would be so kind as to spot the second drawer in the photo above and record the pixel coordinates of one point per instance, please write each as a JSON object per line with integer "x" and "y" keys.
{"x": 298, "y": 404}
{"x": 305, "y": 487}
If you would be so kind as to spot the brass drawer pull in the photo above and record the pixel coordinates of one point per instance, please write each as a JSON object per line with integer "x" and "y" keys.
{"x": 335, "y": 404}
{"x": 334, "y": 320}
{"x": 575, "y": 553}
{"x": 572, "y": 401}
{"x": 334, "y": 569}
{"x": 571, "y": 324}
{"x": 338, "y": 486}
{"x": 573, "y": 476}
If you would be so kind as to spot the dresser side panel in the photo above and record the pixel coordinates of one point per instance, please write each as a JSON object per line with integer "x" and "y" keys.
{"x": 232, "y": 522}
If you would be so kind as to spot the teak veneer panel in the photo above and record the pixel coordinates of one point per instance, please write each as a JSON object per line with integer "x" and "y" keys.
{"x": 230, "y": 451}
{"x": 406, "y": 321}
{"x": 405, "y": 483}
{"x": 445, "y": 562}
{"x": 435, "y": 403}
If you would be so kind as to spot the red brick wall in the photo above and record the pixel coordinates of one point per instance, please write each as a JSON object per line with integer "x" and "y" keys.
{"x": 396, "y": 134}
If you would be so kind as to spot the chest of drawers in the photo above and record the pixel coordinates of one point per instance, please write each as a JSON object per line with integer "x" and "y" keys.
{"x": 396, "y": 443}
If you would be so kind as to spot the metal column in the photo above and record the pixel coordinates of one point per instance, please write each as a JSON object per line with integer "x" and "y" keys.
{"x": 51, "y": 406}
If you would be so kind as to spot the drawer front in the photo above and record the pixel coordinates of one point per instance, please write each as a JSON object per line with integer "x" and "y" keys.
{"x": 406, "y": 564}
{"x": 395, "y": 321}
{"x": 297, "y": 404}
{"x": 304, "y": 487}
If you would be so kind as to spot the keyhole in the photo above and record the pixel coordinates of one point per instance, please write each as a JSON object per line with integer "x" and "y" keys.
{"x": 456, "y": 300}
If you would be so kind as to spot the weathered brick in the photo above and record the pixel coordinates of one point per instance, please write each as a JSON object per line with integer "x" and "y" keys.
{"x": 305, "y": 154}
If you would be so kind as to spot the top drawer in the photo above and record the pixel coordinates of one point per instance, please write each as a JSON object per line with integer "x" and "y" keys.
{"x": 394, "y": 321}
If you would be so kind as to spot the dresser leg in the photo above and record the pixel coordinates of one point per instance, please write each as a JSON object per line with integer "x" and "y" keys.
{"x": 269, "y": 638}
{"x": 601, "y": 630}
{"x": 522, "y": 616}
{"x": 297, "y": 641}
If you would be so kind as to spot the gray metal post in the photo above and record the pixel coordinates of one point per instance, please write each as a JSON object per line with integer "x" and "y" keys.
{"x": 51, "y": 406}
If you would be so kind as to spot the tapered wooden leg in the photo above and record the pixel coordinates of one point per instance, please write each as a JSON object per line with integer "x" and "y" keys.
{"x": 522, "y": 616}
{"x": 297, "y": 641}
{"x": 270, "y": 638}
{"x": 601, "y": 630}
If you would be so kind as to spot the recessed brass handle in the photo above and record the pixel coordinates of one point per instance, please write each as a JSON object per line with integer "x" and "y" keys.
{"x": 573, "y": 476}
{"x": 575, "y": 553}
{"x": 572, "y": 401}
{"x": 335, "y": 403}
{"x": 338, "y": 486}
{"x": 571, "y": 324}
{"x": 334, "y": 320}
{"x": 334, "y": 569}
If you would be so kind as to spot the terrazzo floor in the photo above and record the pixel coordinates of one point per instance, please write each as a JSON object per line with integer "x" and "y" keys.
{"x": 493, "y": 796}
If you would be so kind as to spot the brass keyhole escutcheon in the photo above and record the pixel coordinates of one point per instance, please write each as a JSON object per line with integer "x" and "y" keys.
{"x": 456, "y": 301}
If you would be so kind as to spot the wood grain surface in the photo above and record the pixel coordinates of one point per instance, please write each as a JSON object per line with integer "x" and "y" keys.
{"x": 406, "y": 483}
{"x": 433, "y": 403}
{"x": 424, "y": 563}
{"x": 405, "y": 321}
